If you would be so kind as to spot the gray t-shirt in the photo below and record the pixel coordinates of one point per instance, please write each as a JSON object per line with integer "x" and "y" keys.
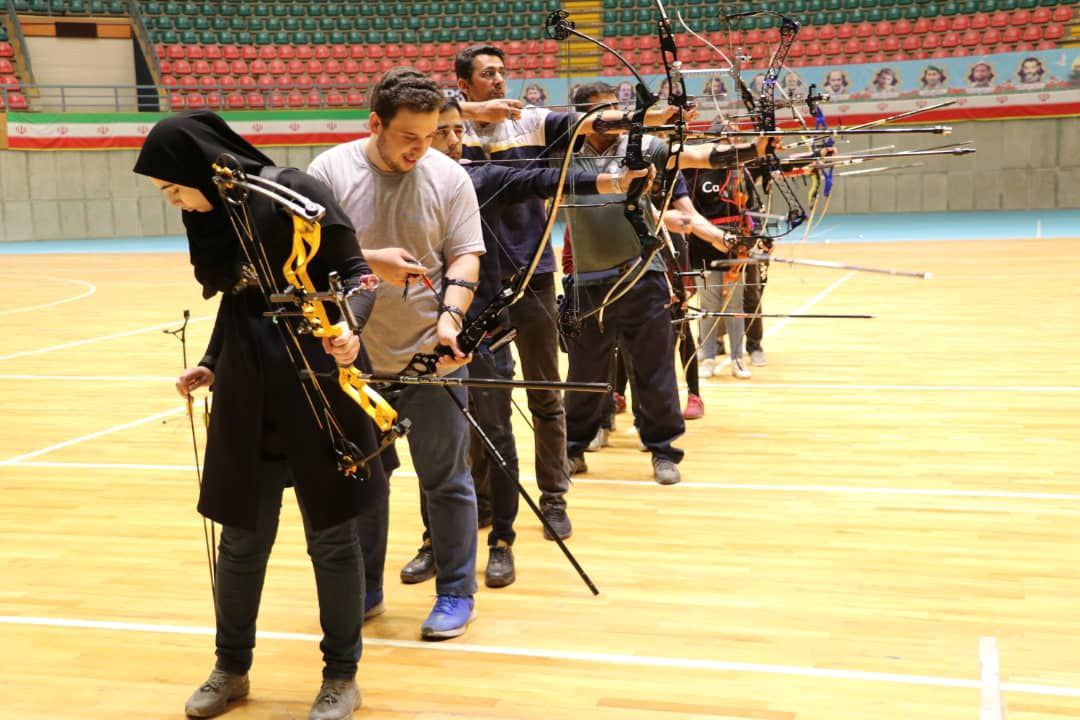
{"x": 430, "y": 211}
{"x": 602, "y": 237}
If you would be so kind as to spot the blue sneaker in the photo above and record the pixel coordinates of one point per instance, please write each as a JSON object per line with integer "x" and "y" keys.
{"x": 373, "y": 604}
{"x": 449, "y": 618}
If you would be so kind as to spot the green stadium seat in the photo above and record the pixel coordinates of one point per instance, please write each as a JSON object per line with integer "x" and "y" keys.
{"x": 208, "y": 37}
{"x": 228, "y": 37}
{"x": 201, "y": 23}
{"x": 301, "y": 38}
{"x": 244, "y": 38}
{"x": 182, "y": 23}
{"x": 169, "y": 37}
{"x": 261, "y": 10}
{"x": 516, "y": 34}
{"x": 279, "y": 10}
{"x": 498, "y": 34}
{"x": 274, "y": 24}
{"x": 856, "y": 16}
{"x": 318, "y": 38}
{"x": 238, "y": 24}
{"x": 263, "y": 38}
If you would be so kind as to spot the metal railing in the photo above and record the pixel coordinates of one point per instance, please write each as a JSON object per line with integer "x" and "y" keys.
{"x": 156, "y": 98}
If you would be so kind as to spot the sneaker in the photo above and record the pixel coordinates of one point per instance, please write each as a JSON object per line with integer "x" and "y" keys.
{"x": 620, "y": 403}
{"x": 421, "y": 567}
{"x": 706, "y": 368}
{"x": 695, "y": 408}
{"x": 337, "y": 699}
{"x": 665, "y": 471}
{"x": 449, "y": 618}
{"x": 739, "y": 370}
{"x": 600, "y": 441}
{"x": 373, "y": 604}
{"x": 555, "y": 513}
{"x": 500, "y": 568}
{"x": 577, "y": 465}
{"x": 757, "y": 358}
{"x": 213, "y": 696}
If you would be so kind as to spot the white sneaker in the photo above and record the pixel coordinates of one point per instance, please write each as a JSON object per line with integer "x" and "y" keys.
{"x": 757, "y": 358}
{"x": 706, "y": 368}
{"x": 600, "y": 441}
{"x": 739, "y": 370}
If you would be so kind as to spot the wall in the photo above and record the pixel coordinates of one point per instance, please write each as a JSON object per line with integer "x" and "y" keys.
{"x": 1021, "y": 164}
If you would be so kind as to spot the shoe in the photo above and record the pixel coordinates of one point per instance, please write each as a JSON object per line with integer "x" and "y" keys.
{"x": 449, "y": 618}
{"x": 421, "y": 567}
{"x": 620, "y": 403}
{"x": 706, "y": 368}
{"x": 600, "y": 441}
{"x": 373, "y": 604}
{"x": 577, "y": 465}
{"x": 665, "y": 471}
{"x": 337, "y": 699}
{"x": 739, "y": 370}
{"x": 555, "y": 513}
{"x": 757, "y": 358}
{"x": 500, "y": 568}
{"x": 213, "y": 696}
{"x": 695, "y": 408}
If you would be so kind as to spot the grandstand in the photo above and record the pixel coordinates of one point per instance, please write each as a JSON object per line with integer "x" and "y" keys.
{"x": 320, "y": 53}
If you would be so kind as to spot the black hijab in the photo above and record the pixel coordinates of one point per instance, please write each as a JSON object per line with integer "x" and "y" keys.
{"x": 180, "y": 149}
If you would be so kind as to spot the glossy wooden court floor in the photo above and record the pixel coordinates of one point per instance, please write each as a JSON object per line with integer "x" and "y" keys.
{"x": 881, "y": 524}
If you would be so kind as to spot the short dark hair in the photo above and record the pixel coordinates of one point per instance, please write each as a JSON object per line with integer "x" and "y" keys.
{"x": 586, "y": 94}
{"x": 463, "y": 63}
{"x": 449, "y": 103}
{"x": 404, "y": 87}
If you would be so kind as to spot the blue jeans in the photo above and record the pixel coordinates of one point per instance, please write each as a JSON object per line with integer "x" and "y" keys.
{"x": 241, "y": 569}
{"x": 439, "y": 446}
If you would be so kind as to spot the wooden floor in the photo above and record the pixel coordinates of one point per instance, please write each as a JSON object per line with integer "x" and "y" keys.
{"x": 882, "y": 500}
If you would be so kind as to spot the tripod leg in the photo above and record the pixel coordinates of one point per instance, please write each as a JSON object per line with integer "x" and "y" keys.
{"x": 498, "y": 458}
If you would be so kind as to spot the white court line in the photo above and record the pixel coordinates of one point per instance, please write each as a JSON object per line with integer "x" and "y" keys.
{"x": 990, "y": 705}
{"x": 92, "y": 378}
{"x": 100, "y": 338}
{"x": 773, "y": 329}
{"x": 740, "y": 385}
{"x": 647, "y": 484}
{"x": 91, "y": 436}
{"x": 91, "y": 289}
{"x": 578, "y": 656}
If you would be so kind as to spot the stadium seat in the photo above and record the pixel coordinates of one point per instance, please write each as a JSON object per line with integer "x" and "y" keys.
{"x": 235, "y": 101}
{"x": 255, "y": 101}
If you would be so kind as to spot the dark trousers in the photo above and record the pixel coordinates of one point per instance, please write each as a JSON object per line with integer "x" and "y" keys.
{"x": 439, "y": 446}
{"x": 534, "y": 317}
{"x": 756, "y": 277}
{"x": 640, "y": 323}
{"x": 339, "y": 580}
{"x": 688, "y": 356}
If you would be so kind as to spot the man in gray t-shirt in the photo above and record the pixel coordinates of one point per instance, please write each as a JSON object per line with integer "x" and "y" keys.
{"x": 397, "y": 194}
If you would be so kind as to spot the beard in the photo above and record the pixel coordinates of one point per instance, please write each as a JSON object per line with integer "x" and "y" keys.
{"x": 391, "y": 162}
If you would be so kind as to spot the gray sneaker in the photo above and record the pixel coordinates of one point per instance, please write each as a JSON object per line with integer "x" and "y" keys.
{"x": 757, "y": 358}
{"x": 600, "y": 441}
{"x": 214, "y": 695}
{"x": 337, "y": 699}
{"x": 665, "y": 471}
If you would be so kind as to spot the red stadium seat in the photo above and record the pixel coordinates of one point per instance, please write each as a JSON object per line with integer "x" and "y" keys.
{"x": 442, "y": 65}
{"x": 230, "y": 52}
{"x": 257, "y": 67}
{"x": 999, "y": 19}
{"x": 807, "y": 33}
{"x": 960, "y": 52}
{"x": 879, "y": 57}
{"x": 940, "y": 53}
{"x": 245, "y": 82}
{"x": 911, "y": 43}
{"x": 277, "y": 67}
{"x": 902, "y": 27}
{"x": 410, "y": 51}
{"x": 386, "y": 65}
{"x": 164, "y": 65}
{"x": 446, "y": 50}
{"x": 970, "y": 38}
{"x": 324, "y": 81}
{"x": 228, "y": 82}
{"x": 159, "y": 50}
{"x": 176, "y": 101}
{"x": 357, "y": 52}
{"x": 208, "y": 82}
{"x": 864, "y": 30}
{"x": 304, "y": 52}
{"x": 1054, "y": 31}
{"x": 814, "y": 49}
{"x": 921, "y": 26}
{"x": 950, "y": 40}
{"x": 339, "y": 52}
{"x": 187, "y": 82}
{"x": 235, "y": 101}
{"x": 980, "y": 21}
{"x": 305, "y": 83}
{"x": 268, "y": 52}
{"x": 344, "y": 82}
{"x": 295, "y": 99}
{"x": 194, "y": 52}
{"x": 845, "y": 31}
{"x": 852, "y": 46}
{"x": 871, "y": 45}
{"x": 277, "y": 100}
{"x": 239, "y": 67}
{"x": 939, "y": 24}
{"x": 550, "y": 47}
{"x": 1046, "y": 45}
{"x": 169, "y": 81}
{"x": 1020, "y": 47}
{"x": 175, "y": 52}
{"x": 212, "y": 52}
{"x": 195, "y": 101}
{"x": 1020, "y": 18}
{"x": 392, "y": 51}
{"x": 322, "y": 52}
{"x": 834, "y": 48}
{"x": 858, "y": 59}
{"x": 961, "y": 23}
{"x": 753, "y": 37}
{"x": 249, "y": 52}
{"x": 645, "y": 57}
{"x": 296, "y": 66}
{"x": 1031, "y": 34}
{"x": 649, "y": 42}
{"x": 1040, "y": 15}
{"x": 313, "y": 67}
{"x": 182, "y": 67}
{"x": 369, "y": 67}
{"x": 993, "y": 36}
{"x": 772, "y": 36}
{"x": 355, "y": 99}
{"x": 931, "y": 42}
{"x": 255, "y": 101}
{"x": 314, "y": 99}
{"x": 286, "y": 52}
{"x": 797, "y": 51}
{"x": 920, "y": 55}
{"x": 890, "y": 44}
{"x": 1061, "y": 14}
{"x": 331, "y": 67}
{"x": 267, "y": 82}
{"x": 335, "y": 99}
{"x": 286, "y": 84}
{"x": 424, "y": 64}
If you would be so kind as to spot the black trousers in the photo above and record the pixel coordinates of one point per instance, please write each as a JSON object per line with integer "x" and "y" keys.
{"x": 640, "y": 324}
{"x": 756, "y": 277}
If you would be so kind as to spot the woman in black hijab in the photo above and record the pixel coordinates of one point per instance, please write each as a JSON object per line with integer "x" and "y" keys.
{"x": 263, "y": 435}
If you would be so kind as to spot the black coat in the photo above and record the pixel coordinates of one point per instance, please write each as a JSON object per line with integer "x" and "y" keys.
{"x": 260, "y": 409}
